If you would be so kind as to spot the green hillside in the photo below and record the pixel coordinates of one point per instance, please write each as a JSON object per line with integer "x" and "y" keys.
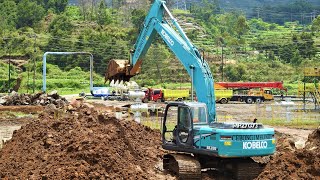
{"x": 239, "y": 48}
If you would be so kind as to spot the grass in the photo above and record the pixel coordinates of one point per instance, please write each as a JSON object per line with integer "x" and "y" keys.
{"x": 295, "y": 123}
{"x": 13, "y": 114}
{"x": 312, "y": 122}
{"x": 153, "y": 123}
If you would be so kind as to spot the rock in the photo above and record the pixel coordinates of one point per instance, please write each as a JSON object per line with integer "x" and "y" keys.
{"x": 300, "y": 144}
{"x": 76, "y": 103}
{"x": 2, "y": 101}
{"x": 54, "y": 94}
{"x": 13, "y": 93}
{"x": 87, "y": 105}
{"x": 36, "y": 99}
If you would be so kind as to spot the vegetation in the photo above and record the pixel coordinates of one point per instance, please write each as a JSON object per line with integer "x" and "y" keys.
{"x": 253, "y": 49}
{"x": 295, "y": 123}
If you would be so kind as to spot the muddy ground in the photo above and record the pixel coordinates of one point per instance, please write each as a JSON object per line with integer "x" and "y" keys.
{"x": 89, "y": 143}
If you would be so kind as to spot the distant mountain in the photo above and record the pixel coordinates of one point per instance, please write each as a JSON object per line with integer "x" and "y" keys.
{"x": 244, "y": 5}
{"x": 277, "y": 11}
{"x": 73, "y": 2}
{"x": 248, "y": 5}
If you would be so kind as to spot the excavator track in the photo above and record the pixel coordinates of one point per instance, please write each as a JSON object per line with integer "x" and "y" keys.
{"x": 246, "y": 169}
{"x": 183, "y": 165}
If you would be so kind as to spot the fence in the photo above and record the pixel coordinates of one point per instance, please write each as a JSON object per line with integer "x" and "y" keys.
{"x": 274, "y": 114}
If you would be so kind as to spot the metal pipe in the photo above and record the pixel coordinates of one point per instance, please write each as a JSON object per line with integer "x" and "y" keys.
{"x": 44, "y": 67}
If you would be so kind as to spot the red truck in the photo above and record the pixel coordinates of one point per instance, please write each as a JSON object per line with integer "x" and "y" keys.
{"x": 161, "y": 95}
{"x": 153, "y": 95}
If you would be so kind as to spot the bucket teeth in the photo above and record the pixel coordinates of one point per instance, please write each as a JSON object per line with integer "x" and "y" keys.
{"x": 112, "y": 83}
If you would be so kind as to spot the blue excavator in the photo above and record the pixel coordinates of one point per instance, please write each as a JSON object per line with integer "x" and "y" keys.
{"x": 190, "y": 130}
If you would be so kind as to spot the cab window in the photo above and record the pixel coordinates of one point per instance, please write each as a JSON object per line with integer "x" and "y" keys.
{"x": 184, "y": 118}
{"x": 199, "y": 115}
{"x": 268, "y": 92}
{"x": 155, "y": 92}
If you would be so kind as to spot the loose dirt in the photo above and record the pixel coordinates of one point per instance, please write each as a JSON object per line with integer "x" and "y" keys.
{"x": 86, "y": 144}
{"x": 40, "y": 98}
{"x": 292, "y": 163}
{"x": 24, "y": 109}
{"x": 81, "y": 145}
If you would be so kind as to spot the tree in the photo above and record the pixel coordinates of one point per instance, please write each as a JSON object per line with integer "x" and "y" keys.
{"x": 104, "y": 15}
{"x": 306, "y": 46}
{"x": 61, "y": 26}
{"x": 29, "y": 13}
{"x": 205, "y": 9}
{"x": 235, "y": 73}
{"x": 84, "y": 8}
{"x": 241, "y": 26}
{"x": 296, "y": 59}
{"x": 57, "y": 5}
{"x": 286, "y": 52}
{"x": 8, "y": 14}
{"x": 316, "y": 25}
{"x": 137, "y": 17}
{"x": 258, "y": 24}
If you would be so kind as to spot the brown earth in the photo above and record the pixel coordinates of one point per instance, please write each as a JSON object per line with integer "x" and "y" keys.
{"x": 86, "y": 144}
{"x": 81, "y": 145}
{"x": 313, "y": 142}
{"x": 291, "y": 163}
{"x": 24, "y": 109}
{"x": 43, "y": 99}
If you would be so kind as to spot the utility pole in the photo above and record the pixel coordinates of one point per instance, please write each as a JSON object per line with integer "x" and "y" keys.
{"x": 9, "y": 62}
{"x": 34, "y": 64}
{"x": 9, "y": 77}
{"x": 222, "y": 63}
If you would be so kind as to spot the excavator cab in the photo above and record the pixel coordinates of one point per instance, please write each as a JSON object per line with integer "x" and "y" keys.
{"x": 179, "y": 121}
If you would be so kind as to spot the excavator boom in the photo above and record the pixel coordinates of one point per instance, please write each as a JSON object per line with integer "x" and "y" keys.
{"x": 179, "y": 44}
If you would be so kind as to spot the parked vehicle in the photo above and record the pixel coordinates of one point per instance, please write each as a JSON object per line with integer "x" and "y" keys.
{"x": 162, "y": 95}
{"x": 249, "y": 92}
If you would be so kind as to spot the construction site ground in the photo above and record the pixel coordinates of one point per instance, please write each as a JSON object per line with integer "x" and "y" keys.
{"x": 88, "y": 142}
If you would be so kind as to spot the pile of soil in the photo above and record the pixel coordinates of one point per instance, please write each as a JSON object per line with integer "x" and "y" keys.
{"x": 295, "y": 163}
{"x": 81, "y": 145}
{"x": 313, "y": 142}
{"x": 40, "y": 98}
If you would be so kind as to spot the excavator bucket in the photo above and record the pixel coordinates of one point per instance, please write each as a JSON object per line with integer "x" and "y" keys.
{"x": 119, "y": 69}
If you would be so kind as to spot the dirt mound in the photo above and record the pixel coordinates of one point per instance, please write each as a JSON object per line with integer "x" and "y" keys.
{"x": 313, "y": 142}
{"x": 301, "y": 164}
{"x": 34, "y": 99}
{"x": 82, "y": 145}
{"x": 294, "y": 163}
{"x": 285, "y": 143}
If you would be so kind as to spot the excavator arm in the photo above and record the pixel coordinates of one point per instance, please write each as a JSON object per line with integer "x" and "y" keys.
{"x": 197, "y": 68}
